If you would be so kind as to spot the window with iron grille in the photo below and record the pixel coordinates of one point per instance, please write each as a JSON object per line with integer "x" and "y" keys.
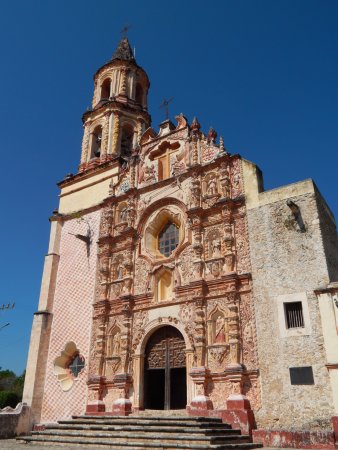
{"x": 168, "y": 239}
{"x": 301, "y": 375}
{"x": 294, "y": 315}
{"x": 76, "y": 365}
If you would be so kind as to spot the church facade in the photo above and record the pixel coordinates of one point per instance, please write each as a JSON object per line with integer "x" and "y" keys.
{"x": 174, "y": 281}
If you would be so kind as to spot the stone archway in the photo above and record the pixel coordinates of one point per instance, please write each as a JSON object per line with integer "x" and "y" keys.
{"x": 165, "y": 385}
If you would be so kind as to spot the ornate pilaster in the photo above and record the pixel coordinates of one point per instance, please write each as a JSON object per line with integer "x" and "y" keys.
{"x": 85, "y": 146}
{"x": 234, "y": 337}
{"x": 116, "y": 133}
{"x": 105, "y": 137}
{"x": 197, "y": 246}
{"x": 225, "y": 181}
{"x": 124, "y": 78}
{"x": 123, "y": 381}
{"x": 96, "y": 382}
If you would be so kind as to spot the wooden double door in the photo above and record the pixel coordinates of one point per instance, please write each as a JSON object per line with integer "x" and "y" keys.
{"x": 165, "y": 378}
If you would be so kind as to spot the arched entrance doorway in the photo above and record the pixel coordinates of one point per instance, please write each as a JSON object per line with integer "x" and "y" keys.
{"x": 165, "y": 379}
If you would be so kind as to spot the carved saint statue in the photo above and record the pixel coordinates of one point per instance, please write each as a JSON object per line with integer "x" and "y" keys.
{"x": 119, "y": 272}
{"x": 219, "y": 330}
{"x": 123, "y": 214}
{"x": 212, "y": 187}
{"x": 216, "y": 247}
{"x": 116, "y": 344}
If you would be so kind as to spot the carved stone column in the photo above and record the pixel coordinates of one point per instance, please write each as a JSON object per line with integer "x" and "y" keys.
{"x": 116, "y": 133}
{"x": 139, "y": 132}
{"x": 195, "y": 191}
{"x": 85, "y": 147}
{"x": 124, "y": 79}
{"x": 229, "y": 257}
{"x": 96, "y": 382}
{"x": 104, "y": 272}
{"x": 200, "y": 333}
{"x": 197, "y": 246}
{"x": 123, "y": 381}
{"x": 234, "y": 340}
{"x": 105, "y": 137}
{"x": 225, "y": 181}
{"x": 195, "y": 132}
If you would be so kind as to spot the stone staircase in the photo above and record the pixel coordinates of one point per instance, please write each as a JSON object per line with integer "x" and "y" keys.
{"x": 142, "y": 432}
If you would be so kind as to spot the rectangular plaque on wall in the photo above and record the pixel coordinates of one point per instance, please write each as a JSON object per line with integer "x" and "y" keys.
{"x": 301, "y": 375}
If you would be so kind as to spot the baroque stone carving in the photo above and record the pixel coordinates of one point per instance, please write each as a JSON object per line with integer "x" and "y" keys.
{"x": 186, "y": 266}
{"x": 142, "y": 276}
{"x": 140, "y": 320}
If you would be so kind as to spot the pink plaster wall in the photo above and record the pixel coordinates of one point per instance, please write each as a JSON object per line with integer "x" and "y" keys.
{"x": 72, "y": 316}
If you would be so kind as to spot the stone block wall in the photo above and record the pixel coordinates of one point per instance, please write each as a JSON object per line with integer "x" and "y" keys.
{"x": 15, "y": 422}
{"x": 288, "y": 265}
{"x": 72, "y": 316}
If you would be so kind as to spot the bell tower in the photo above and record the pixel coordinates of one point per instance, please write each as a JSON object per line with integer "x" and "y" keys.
{"x": 119, "y": 115}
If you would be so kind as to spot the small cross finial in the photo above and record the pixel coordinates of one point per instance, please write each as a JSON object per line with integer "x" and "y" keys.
{"x": 125, "y": 30}
{"x": 165, "y": 104}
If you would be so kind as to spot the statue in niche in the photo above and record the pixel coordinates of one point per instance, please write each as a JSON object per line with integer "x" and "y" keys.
{"x": 215, "y": 269}
{"x": 119, "y": 272}
{"x": 124, "y": 214}
{"x": 226, "y": 184}
{"x": 220, "y": 330}
{"x": 116, "y": 344}
{"x": 130, "y": 213}
{"x": 212, "y": 187}
{"x": 216, "y": 247}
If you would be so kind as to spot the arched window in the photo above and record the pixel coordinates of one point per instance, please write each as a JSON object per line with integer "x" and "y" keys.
{"x": 139, "y": 94}
{"x": 96, "y": 142}
{"x": 127, "y": 140}
{"x": 168, "y": 239}
{"x": 105, "y": 89}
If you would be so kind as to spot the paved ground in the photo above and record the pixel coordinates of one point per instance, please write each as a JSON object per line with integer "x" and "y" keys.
{"x": 11, "y": 444}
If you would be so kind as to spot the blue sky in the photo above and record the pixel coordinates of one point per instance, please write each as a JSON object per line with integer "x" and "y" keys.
{"x": 263, "y": 73}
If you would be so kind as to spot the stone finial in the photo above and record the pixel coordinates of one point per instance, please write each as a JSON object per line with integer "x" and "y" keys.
{"x": 195, "y": 125}
{"x": 222, "y": 149}
{"x": 212, "y": 135}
